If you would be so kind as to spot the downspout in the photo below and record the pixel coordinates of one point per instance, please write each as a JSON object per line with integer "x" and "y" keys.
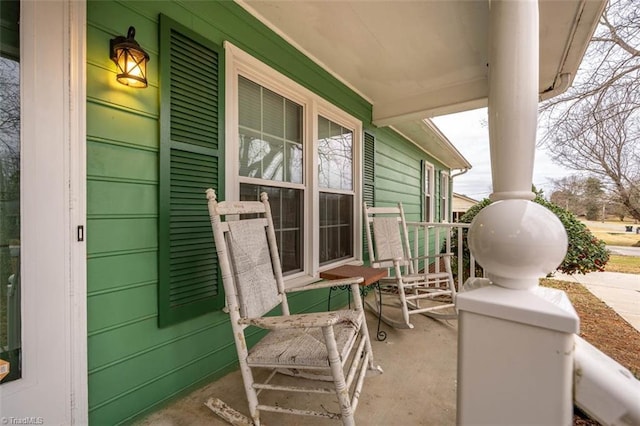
{"x": 461, "y": 172}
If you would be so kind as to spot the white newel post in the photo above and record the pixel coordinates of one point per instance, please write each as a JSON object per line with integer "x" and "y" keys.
{"x": 515, "y": 360}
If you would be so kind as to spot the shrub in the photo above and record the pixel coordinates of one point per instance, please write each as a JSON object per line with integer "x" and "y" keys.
{"x": 585, "y": 252}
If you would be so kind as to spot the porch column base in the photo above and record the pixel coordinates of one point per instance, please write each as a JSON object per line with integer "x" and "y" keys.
{"x": 515, "y": 356}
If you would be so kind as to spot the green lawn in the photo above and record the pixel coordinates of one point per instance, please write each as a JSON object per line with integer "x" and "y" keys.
{"x": 626, "y": 264}
{"x": 614, "y": 233}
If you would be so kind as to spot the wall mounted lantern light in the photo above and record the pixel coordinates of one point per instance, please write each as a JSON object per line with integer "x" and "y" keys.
{"x": 131, "y": 60}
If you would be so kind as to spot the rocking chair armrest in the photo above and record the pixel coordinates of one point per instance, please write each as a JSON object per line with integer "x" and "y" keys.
{"x": 391, "y": 259}
{"x": 432, "y": 256}
{"x": 326, "y": 284}
{"x": 314, "y": 319}
{"x": 421, "y": 277}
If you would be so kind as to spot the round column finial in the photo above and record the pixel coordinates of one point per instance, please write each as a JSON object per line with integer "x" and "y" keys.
{"x": 517, "y": 242}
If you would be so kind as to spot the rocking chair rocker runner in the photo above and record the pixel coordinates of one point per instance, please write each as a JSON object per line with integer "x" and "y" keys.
{"x": 388, "y": 242}
{"x": 325, "y": 346}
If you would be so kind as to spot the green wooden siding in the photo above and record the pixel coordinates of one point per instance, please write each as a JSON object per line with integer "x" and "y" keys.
{"x": 398, "y": 166}
{"x": 135, "y": 366}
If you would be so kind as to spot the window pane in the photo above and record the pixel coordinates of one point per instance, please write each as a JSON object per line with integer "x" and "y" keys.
{"x": 286, "y": 209}
{"x": 10, "y": 312}
{"x": 293, "y": 123}
{"x": 290, "y": 251}
{"x": 428, "y": 192}
{"x": 250, "y": 106}
{"x": 252, "y": 149}
{"x": 293, "y": 160}
{"x": 270, "y": 132}
{"x": 336, "y": 227}
{"x": 273, "y": 159}
{"x": 444, "y": 197}
{"x": 272, "y": 113}
{"x": 427, "y": 208}
{"x": 335, "y": 156}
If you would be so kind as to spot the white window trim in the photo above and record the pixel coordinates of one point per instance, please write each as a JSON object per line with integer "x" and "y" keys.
{"x": 431, "y": 171}
{"x": 239, "y": 62}
{"x": 444, "y": 198}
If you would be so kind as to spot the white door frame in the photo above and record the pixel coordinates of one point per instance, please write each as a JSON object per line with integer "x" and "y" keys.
{"x": 53, "y": 206}
{"x": 78, "y": 210}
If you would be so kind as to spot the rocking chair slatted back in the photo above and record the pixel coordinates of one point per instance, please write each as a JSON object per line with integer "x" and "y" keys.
{"x": 255, "y": 243}
{"x": 387, "y": 242}
{"x": 385, "y": 226}
{"x": 251, "y": 264}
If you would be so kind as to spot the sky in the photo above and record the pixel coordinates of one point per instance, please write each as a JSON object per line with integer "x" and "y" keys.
{"x": 469, "y": 133}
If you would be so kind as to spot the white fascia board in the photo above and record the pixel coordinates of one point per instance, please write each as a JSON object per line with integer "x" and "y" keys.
{"x": 420, "y": 137}
{"x": 447, "y": 143}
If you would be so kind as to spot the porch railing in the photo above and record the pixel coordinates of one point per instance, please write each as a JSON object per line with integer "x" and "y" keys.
{"x": 430, "y": 238}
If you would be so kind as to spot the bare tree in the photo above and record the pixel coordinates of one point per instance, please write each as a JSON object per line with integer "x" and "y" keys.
{"x": 9, "y": 112}
{"x": 593, "y": 128}
{"x": 567, "y": 193}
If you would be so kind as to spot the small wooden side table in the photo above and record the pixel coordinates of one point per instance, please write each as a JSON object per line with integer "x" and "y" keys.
{"x": 371, "y": 277}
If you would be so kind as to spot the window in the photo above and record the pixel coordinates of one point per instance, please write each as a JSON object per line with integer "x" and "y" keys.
{"x": 444, "y": 196}
{"x": 428, "y": 191}
{"x": 270, "y": 149}
{"x": 335, "y": 178}
{"x": 10, "y": 152}
{"x": 270, "y": 131}
{"x": 286, "y": 141}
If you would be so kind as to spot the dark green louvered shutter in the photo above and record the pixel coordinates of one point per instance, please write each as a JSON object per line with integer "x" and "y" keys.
{"x": 191, "y": 94}
{"x": 368, "y": 181}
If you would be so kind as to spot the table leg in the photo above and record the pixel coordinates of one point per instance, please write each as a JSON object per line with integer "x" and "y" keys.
{"x": 381, "y": 335}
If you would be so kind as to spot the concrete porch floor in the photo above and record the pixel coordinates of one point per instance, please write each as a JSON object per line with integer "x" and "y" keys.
{"x": 418, "y": 386}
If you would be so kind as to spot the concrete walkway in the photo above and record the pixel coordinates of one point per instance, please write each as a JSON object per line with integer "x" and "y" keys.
{"x": 624, "y": 251}
{"x": 621, "y": 292}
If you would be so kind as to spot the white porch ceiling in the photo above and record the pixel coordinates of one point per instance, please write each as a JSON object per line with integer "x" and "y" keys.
{"x": 418, "y": 59}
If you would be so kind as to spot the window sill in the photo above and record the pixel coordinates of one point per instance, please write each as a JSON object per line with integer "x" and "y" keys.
{"x": 300, "y": 281}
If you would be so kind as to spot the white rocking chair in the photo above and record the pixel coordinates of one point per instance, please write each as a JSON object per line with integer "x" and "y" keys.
{"x": 388, "y": 242}
{"x": 325, "y": 346}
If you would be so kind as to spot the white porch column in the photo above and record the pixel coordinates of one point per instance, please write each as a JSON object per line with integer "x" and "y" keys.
{"x": 515, "y": 353}
{"x": 513, "y": 96}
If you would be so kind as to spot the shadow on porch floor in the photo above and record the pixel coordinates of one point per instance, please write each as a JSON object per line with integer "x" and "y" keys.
{"x": 418, "y": 386}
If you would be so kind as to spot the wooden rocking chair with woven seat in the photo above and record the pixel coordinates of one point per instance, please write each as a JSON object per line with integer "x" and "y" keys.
{"x": 315, "y": 348}
{"x": 417, "y": 292}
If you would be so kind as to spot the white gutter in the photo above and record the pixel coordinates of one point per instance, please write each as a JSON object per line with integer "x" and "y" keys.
{"x": 560, "y": 86}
